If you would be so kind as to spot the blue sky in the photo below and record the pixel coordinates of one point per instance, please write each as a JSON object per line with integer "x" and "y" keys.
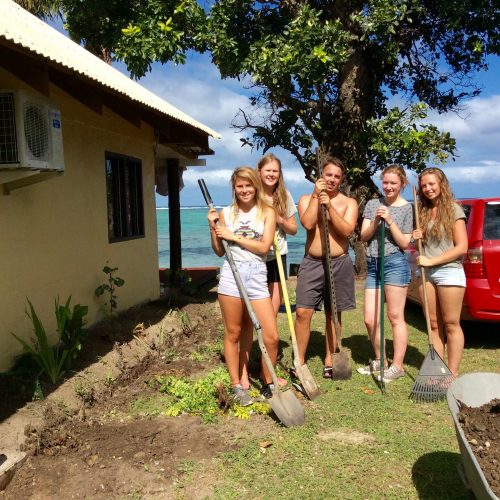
{"x": 197, "y": 89}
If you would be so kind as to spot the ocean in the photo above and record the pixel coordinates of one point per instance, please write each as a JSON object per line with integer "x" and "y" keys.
{"x": 195, "y": 240}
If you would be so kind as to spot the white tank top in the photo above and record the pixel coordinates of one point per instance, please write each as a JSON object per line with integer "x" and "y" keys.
{"x": 246, "y": 225}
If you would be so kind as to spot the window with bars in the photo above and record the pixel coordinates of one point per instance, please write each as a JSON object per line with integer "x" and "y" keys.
{"x": 125, "y": 201}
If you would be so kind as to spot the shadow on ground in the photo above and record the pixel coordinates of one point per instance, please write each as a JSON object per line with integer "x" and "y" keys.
{"x": 435, "y": 475}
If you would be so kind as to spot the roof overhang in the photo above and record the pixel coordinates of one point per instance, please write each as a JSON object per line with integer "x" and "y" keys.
{"x": 40, "y": 56}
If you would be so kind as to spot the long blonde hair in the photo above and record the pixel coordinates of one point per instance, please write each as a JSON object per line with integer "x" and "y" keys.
{"x": 279, "y": 193}
{"x": 251, "y": 175}
{"x": 445, "y": 217}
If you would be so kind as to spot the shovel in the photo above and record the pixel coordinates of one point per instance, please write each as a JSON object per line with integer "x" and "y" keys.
{"x": 285, "y": 404}
{"x": 341, "y": 361}
{"x": 382, "y": 301}
{"x": 306, "y": 379}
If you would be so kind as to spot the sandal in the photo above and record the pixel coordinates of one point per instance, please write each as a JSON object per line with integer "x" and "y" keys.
{"x": 328, "y": 372}
{"x": 267, "y": 390}
{"x": 293, "y": 373}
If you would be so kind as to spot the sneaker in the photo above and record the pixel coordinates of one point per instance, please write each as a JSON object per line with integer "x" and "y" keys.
{"x": 241, "y": 396}
{"x": 391, "y": 374}
{"x": 374, "y": 366}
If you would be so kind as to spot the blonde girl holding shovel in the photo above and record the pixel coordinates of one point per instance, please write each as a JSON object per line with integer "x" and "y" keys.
{"x": 248, "y": 225}
{"x": 276, "y": 195}
{"x": 397, "y": 215}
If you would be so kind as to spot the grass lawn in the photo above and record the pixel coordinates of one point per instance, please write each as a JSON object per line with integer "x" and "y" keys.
{"x": 356, "y": 442}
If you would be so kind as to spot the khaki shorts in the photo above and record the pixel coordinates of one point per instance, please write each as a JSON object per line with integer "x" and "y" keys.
{"x": 312, "y": 289}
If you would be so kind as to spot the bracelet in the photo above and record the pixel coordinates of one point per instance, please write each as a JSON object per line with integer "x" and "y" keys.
{"x": 389, "y": 225}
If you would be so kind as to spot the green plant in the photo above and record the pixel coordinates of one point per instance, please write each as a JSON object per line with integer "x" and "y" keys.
{"x": 50, "y": 359}
{"x": 207, "y": 397}
{"x": 110, "y": 287}
{"x": 38, "y": 394}
{"x": 70, "y": 324}
{"x": 86, "y": 393}
{"x": 185, "y": 322}
{"x": 109, "y": 379}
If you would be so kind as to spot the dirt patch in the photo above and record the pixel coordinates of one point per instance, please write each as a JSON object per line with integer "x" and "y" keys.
{"x": 481, "y": 426}
{"x": 90, "y": 441}
{"x": 114, "y": 459}
{"x": 347, "y": 436}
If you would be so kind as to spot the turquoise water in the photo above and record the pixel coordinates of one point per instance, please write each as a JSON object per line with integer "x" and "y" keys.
{"x": 195, "y": 240}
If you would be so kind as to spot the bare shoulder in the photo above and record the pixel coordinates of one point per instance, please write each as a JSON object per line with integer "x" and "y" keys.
{"x": 304, "y": 198}
{"x": 348, "y": 201}
{"x": 303, "y": 202}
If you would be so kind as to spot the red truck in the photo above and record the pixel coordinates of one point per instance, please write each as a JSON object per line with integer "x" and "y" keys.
{"x": 481, "y": 263}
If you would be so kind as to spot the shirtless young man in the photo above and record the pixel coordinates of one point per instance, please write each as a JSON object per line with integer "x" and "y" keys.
{"x": 311, "y": 281}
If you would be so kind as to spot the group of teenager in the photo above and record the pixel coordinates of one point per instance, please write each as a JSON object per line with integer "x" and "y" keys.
{"x": 262, "y": 209}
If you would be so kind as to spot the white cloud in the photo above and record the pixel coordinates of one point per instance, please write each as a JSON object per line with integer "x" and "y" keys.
{"x": 198, "y": 90}
{"x": 477, "y": 122}
{"x": 488, "y": 173}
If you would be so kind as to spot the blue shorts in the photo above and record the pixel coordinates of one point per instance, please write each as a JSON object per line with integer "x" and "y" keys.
{"x": 254, "y": 278}
{"x": 396, "y": 270}
{"x": 446, "y": 276}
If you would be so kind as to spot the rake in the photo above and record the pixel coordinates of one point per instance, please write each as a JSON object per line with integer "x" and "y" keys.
{"x": 434, "y": 376}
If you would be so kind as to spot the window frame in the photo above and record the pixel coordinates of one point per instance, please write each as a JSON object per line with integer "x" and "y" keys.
{"x": 124, "y": 197}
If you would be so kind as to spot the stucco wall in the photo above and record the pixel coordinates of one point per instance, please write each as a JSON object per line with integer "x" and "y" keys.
{"x": 54, "y": 234}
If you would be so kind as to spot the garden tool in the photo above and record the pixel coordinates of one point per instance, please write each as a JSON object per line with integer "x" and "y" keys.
{"x": 285, "y": 404}
{"x": 306, "y": 379}
{"x": 382, "y": 302}
{"x": 434, "y": 376}
{"x": 341, "y": 360}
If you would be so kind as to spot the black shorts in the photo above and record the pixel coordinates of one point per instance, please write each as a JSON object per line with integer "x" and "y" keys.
{"x": 273, "y": 275}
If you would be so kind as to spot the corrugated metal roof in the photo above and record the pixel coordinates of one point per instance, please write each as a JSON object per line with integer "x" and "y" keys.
{"x": 26, "y": 30}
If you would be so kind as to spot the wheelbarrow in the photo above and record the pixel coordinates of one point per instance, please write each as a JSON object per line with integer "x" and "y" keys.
{"x": 473, "y": 389}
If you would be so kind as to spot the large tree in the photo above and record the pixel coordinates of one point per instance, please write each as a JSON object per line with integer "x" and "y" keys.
{"x": 354, "y": 78}
{"x": 324, "y": 73}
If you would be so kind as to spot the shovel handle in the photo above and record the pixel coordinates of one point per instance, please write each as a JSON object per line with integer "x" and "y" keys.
{"x": 328, "y": 263}
{"x": 286, "y": 299}
{"x": 422, "y": 274}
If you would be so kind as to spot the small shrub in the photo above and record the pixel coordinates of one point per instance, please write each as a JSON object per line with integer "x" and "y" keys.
{"x": 110, "y": 287}
{"x": 70, "y": 324}
{"x": 50, "y": 359}
{"x": 203, "y": 397}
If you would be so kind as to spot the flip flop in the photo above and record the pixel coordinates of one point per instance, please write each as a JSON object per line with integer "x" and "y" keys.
{"x": 328, "y": 372}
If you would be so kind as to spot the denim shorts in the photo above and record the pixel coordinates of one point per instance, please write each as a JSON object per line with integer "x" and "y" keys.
{"x": 396, "y": 270}
{"x": 254, "y": 278}
{"x": 446, "y": 276}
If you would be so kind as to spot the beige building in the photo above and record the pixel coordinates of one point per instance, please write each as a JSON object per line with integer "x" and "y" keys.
{"x": 80, "y": 145}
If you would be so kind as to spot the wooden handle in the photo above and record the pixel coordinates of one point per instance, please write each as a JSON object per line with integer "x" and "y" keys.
{"x": 422, "y": 270}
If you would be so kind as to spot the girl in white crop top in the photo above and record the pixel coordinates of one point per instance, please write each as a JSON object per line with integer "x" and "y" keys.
{"x": 248, "y": 225}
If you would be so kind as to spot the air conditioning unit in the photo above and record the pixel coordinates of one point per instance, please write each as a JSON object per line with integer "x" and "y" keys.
{"x": 30, "y": 133}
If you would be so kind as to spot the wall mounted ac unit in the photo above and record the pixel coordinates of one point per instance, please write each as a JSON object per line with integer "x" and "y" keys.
{"x": 30, "y": 133}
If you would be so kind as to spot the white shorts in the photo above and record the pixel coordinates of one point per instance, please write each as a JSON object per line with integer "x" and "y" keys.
{"x": 254, "y": 278}
{"x": 446, "y": 276}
